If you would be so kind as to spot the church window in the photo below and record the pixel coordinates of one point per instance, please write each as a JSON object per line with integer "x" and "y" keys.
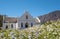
{"x": 6, "y": 26}
{"x": 26, "y": 16}
{"x": 11, "y": 25}
{"x": 21, "y": 25}
{"x": 31, "y": 24}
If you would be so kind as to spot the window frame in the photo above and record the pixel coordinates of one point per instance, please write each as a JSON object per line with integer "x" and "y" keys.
{"x": 11, "y": 25}
{"x": 26, "y": 16}
{"x": 21, "y": 25}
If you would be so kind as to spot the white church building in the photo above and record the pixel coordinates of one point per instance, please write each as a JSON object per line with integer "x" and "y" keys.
{"x": 25, "y": 21}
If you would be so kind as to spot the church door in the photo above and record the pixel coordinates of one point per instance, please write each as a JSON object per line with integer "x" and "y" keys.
{"x": 26, "y": 25}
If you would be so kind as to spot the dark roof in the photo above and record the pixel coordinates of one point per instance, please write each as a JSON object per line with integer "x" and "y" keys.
{"x": 10, "y": 20}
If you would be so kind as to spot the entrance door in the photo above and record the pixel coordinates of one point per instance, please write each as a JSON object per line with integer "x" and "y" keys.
{"x": 26, "y": 25}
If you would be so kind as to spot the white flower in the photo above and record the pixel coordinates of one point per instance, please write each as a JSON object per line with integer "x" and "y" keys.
{"x": 59, "y": 33}
{"x": 54, "y": 33}
{"x": 4, "y": 38}
{"x": 44, "y": 36}
{"x": 29, "y": 36}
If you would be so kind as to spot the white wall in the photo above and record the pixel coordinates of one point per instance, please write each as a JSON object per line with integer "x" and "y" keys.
{"x": 9, "y": 25}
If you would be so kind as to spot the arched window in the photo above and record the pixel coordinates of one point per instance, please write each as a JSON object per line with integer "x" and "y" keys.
{"x": 6, "y": 26}
{"x": 11, "y": 25}
{"x": 26, "y": 16}
{"x": 31, "y": 24}
{"x": 21, "y": 25}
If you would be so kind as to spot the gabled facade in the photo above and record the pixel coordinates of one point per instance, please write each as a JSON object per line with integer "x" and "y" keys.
{"x": 25, "y": 21}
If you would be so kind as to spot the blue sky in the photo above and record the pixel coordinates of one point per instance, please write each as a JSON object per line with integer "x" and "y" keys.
{"x": 16, "y": 8}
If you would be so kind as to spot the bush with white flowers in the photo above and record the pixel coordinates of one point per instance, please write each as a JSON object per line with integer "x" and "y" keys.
{"x": 48, "y": 30}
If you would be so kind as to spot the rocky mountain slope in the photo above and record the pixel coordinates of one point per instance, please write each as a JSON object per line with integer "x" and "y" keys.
{"x": 55, "y": 15}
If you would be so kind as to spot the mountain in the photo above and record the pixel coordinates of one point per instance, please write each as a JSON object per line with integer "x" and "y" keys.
{"x": 52, "y": 16}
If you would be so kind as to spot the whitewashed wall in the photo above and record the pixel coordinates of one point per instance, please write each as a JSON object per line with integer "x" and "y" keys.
{"x": 9, "y": 25}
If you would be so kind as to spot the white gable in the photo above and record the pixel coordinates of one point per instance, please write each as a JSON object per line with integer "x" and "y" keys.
{"x": 29, "y": 20}
{"x": 26, "y": 14}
